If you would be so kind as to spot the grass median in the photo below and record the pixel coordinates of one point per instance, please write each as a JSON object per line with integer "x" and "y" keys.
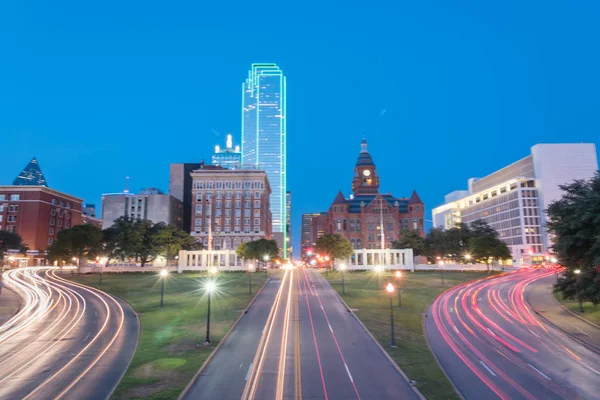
{"x": 170, "y": 349}
{"x": 590, "y": 311}
{"x": 365, "y": 294}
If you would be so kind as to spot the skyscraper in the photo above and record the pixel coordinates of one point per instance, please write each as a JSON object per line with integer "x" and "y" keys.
{"x": 230, "y": 157}
{"x": 31, "y": 176}
{"x": 264, "y": 137}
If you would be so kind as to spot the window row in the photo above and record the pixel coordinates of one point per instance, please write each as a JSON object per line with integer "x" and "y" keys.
{"x": 11, "y": 197}
{"x": 229, "y": 185}
{"x": 228, "y": 196}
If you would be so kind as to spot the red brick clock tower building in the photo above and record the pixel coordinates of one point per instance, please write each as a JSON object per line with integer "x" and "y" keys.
{"x": 370, "y": 219}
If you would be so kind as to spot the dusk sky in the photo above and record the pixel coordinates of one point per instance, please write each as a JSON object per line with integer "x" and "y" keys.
{"x": 104, "y": 90}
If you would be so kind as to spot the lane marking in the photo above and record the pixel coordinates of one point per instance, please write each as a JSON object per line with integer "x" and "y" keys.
{"x": 349, "y": 374}
{"x": 576, "y": 327}
{"x": 330, "y": 328}
{"x": 455, "y": 328}
{"x": 488, "y": 368}
{"x": 539, "y": 372}
{"x": 248, "y": 373}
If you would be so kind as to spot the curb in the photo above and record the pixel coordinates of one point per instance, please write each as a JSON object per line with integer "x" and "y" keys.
{"x": 385, "y": 353}
{"x": 579, "y": 316}
{"x": 212, "y": 354}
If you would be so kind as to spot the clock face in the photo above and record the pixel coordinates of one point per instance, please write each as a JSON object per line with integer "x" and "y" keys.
{"x": 366, "y": 172}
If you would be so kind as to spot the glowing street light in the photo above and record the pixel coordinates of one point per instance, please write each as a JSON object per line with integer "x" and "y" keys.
{"x": 553, "y": 260}
{"x": 378, "y": 270}
{"x": 212, "y": 271}
{"x": 398, "y": 274}
{"x": 343, "y": 269}
{"x": 577, "y": 271}
{"x": 390, "y": 289}
{"x": 163, "y": 277}
{"x": 209, "y": 287}
{"x": 250, "y": 270}
{"x": 468, "y": 257}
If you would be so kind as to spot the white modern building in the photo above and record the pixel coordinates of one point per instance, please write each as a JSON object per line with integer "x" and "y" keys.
{"x": 513, "y": 199}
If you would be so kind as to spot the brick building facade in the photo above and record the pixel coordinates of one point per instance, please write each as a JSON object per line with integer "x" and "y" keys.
{"x": 370, "y": 219}
{"x": 230, "y": 207}
{"x": 38, "y": 213}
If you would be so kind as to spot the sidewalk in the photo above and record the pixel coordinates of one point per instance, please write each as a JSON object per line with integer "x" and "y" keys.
{"x": 539, "y": 296}
{"x": 9, "y": 303}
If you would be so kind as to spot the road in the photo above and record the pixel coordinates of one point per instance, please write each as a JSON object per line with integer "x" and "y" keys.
{"x": 492, "y": 344}
{"x": 298, "y": 341}
{"x": 68, "y": 341}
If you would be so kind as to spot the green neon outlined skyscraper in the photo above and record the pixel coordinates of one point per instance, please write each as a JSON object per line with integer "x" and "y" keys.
{"x": 264, "y": 136}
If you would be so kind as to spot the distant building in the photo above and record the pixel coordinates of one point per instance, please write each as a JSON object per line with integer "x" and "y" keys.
{"x": 180, "y": 187}
{"x": 88, "y": 215}
{"x": 150, "y": 204}
{"x": 369, "y": 219}
{"x": 288, "y": 222}
{"x": 230, "y": 157}
{"x": 31, "y": 176}
{"x": 230, "y": 207}
{"x": 319, "y": 226}
{"x": 306, "y": 237}
{"x": 264, "y": 136}
{"x": 37, "y": 213}
{"x": 512, "y": 200}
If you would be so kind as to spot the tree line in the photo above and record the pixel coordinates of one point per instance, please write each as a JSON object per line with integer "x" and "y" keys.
{"x": 127, "y": 239}
{"x": 574, "y": 221}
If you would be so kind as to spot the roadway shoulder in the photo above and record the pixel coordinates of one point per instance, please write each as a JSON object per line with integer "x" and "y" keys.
{"x": 10, "y": 303}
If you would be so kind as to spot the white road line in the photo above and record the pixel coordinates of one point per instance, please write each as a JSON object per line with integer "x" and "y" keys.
{"x": 535, "y": 334}
{"x": 322, "y": 307}
{"x": 330, "y": 328}
{"x": 349, "y": 374}
{"x": 248, "y": 373}
{"x": 540, "y": 372}
{"x": 86, "y": 338}
{"x": 576, "y": 327}
{"x": 488, "y": 368}
{"x": 490, "y": 331}
{"x": 455, "y": 328}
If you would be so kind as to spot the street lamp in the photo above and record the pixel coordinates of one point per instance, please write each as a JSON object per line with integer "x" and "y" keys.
{"x": 390, "y": 290}
{"x": 101, "y": 263}
{"x": 468, "y": 257}
{"x": 163, "y": 277}
{"x": 266, "y": 259}
{"x": 343, "y": 269}
{"x": 398, "y": 275}
{"x": 209, "y": 287}
{"x": 577, "y": 272}
{"x": 250, "y": 268}
{"x": 212, "y": 271}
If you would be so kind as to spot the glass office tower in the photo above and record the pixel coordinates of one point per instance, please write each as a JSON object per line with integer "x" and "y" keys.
{"x": 264, "y": 137}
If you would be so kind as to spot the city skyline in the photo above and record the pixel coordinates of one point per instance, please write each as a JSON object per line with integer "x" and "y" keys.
{"x": 459, "y": 92}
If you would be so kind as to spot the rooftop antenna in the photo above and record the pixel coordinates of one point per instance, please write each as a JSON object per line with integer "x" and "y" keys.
{"x": 126, "y": 185}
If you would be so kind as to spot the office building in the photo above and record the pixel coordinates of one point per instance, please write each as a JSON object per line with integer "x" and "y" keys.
{"x": 31, "y": 176}
{"x": 369, "y": 219}
{"x": 288, "y": 223}
{"x": 88, "y": 215}
{"x": 150, "y": 204}
{"x": 37, "y": 214}
{"x": 306, "y": 236}
{"x": 264, "y": 136}
{"x": 513, "y": 199}
{"x": 230, "y": 207}
{"x": 180, "y": 187}
{"x": 229, "y": 157}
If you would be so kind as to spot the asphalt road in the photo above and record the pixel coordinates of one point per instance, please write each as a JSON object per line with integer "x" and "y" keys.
{"x": 298, "y": 341}
{"x": 68, "y": 341}
{"x": 492, "y": 344}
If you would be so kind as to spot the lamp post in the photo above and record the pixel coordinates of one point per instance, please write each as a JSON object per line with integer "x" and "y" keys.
{"x": 163, "y": 277}
{"x": 577, "y": 272}
{"x": 343, "y": 270}
{"x": 102, "y": 264}
{"x": 250, "y": 267}
{"x": 441, "y": 263}
{"x": 266, "y": 259}
{"x": 326, "y": 258}
{"x": 398, "y": 275}
{"x": 468, "y": 257}
{"x": 390, "y": 290}
{"x": 210, "y": 287}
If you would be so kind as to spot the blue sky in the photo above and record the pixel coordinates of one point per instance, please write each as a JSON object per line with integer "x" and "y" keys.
{"x": 443, "y": 91}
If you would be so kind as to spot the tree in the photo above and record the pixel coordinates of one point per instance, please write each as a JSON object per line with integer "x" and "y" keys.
{"x": 137, "y": 239}
{"x": 10, "y": 241}
{"x": 80, "y": 241}
{"x": 410, "y": 240}
{"x": 335, "y": 246}
{"x": 488, "y": 247}
{"x": 171, "y": 240}
{"x": 258, "y": 249}
{"x": 574, "y": 220}
{"x": 242, "y": 251}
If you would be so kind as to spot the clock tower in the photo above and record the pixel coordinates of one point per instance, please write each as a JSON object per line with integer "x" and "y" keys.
{"x": 366, "y": 179}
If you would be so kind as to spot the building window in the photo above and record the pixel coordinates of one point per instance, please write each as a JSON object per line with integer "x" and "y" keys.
{"x": 51, "y": 221}
{"x": 51, "y": 231}
{"x": 238, "y": 221}
{"x": 415, "y": 227}
{"x": 256, "y": 221}
{"x": 228, "y": 212}
{"x": 13, "y": 208}
{"x": 247, "y": 195}
{"x": 358, "y": 225}
{"x": 198, "y": 196}
{"x": 257, "y": 195}
{"x": 246, "y": 221}
{"x": 50, "y": 240}
{"x": 11, "y": 218}
{"x": 14, "y": 197}
{"x": 371, "y": 237}
{"x": 199, "y": 209}
{"x": 209, "y": 185}
{"x": 238, "y": 213}
{"x": 247, "y": 212}
{"x": 218, "y": 204}
{"x": 67, "y": 225}
{"x": 227, "y": 221}
{"x": 199, "y": 185}
{"x": 219, "y": 195}
{"x": 59, "y": 223}
{"x": 208, "y": 196}
{"x": 418, "y": 208}
{"x": 218, "y": 212}
{"x": 256, "y": 203}
{"x": 257, "y": 212}
{"x": 247, "y": 204}
{"x": 2, "y": 197}
{"x": 352, "y": 227}
{"x": 228, "y": 204}
{"x": 390, "y": 226}
{"x": 238, "y": 204}
{"x": 228, "y": 195}
{"x": 370, "y": 227}
{"x": 238, "y": 195}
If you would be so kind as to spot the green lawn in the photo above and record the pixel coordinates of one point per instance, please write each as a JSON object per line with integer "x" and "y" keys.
{"x": 364, "y": 294}
{"x": 590, "y": 311}
{"x": 170, "y": 349}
